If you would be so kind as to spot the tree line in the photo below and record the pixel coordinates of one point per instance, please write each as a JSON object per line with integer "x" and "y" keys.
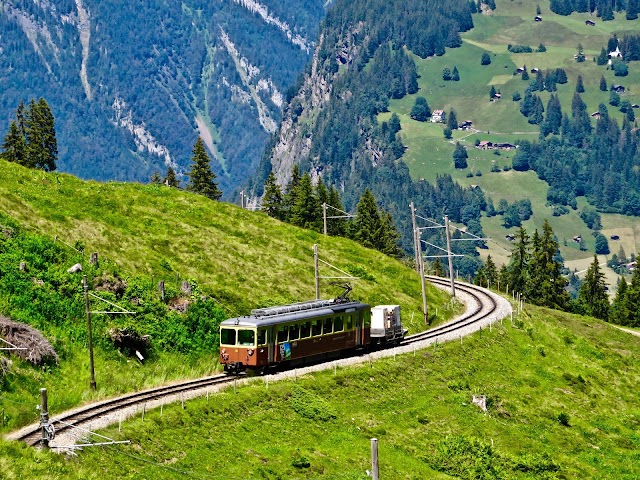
{"x": 31, "y": 139}
{"x": 301, "y": 204}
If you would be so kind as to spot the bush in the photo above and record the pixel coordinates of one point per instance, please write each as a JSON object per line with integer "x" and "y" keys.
{"x": 563, "y": 419}
{"x": 486, "y": 59}
{"x": 620, "y": 69}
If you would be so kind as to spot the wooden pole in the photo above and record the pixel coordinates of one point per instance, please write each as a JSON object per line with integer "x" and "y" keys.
{"x": 89, "y": 333}
{"x": 44, "y": 417}
{"x": 324, "y": 217}
{"x": 317, "y": 268}
{"x": 446, "y": 223}
{"x": 425, "y": 307}
{"x": 417, "y": 250}
{"x": 375, "y": 471}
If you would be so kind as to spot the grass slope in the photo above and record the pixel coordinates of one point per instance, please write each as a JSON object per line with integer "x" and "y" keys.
{"x": 547, "y": 366}
{"x": 429, "y": 154}
{"x": 242, "y": 259}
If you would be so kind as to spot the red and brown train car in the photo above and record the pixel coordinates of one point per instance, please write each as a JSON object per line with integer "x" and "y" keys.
{"x": 293, "y": 334}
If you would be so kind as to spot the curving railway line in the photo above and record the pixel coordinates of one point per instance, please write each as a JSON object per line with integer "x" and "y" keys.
{"x": 483, "y": 308}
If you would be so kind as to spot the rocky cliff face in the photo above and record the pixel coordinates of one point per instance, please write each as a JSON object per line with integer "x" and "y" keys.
{"x": 132, "y": 84}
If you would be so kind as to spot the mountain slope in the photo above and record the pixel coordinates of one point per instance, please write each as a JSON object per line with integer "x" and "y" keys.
{"x": 132, "y": 85}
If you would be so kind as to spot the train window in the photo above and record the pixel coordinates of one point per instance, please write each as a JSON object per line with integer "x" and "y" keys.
{"x": 262, "y": 337}
{"x": 328, "y": 326}
{"x": 247, "y": 338}
{"x": 228, "y": 336}
{"x": 349, "y": 322}
{"x": 316, "y": 328}
{"x": 338, "y": 325}
{"x": 305, "y": 330}
{"x": 294, "y": 332}
{"x": 282, "y": 334}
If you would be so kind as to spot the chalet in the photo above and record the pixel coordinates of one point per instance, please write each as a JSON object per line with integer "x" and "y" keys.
{"x": 510, "y": 237}
{"x": 635, "y": 105}
{"x": 618, "y": 88}
{"x": 615, "y": 237}
{"x": 632, "y": 266}
{"x": 596, "y": 115}
{"x": 615, "y": 54}
{"x": 590, "y": 23}
{"x": 504, "y": 146}
{"x": 518, "y": 71}
{"x": 535, "y": 70}
{"x": 436, "y": 116}
{"x": 577, "y": 238}
{"x": 465, "y": 125}
{"x": 496, "y": 96}
{"x": 485, "y": 145}
{"x": 537, "y": 18}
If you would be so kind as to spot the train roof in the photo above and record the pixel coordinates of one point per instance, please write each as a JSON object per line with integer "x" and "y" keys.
{"x": 262, "y": 317}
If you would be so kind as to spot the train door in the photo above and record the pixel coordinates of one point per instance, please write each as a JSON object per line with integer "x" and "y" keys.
{"x": 270, "y": 344}
{"x": 359, "y": 325}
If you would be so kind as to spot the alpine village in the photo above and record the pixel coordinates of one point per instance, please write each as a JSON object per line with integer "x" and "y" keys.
{"x": 320, "y": 239}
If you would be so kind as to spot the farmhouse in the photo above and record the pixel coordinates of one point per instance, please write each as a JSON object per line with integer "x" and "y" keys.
{"x": 591, "y": 23}
{"x": 596, "y": 115}
{"x": 618, "y": 88}
{"x": 635, "y": 105}
{"x": 465, "y": 125}
{"x": 535, "y": 70}
{"x": 485, "y": 145}
{"x": 615, "y": 54}
{"x": 518, "y": 71}
{"x": 496, "y": 96}
{"x": 615, "y": 237}
{"x": 436, "y": 116}
{"x": 538, "y": 18}
{"x": 510, "y": 237}
{"x": 577, "y": 238}
{"x": 504, "y": 146}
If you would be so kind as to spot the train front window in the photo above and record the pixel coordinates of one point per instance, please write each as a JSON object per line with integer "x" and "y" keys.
{"x": 247, "y": 338}
{"x": 227, "y": 336}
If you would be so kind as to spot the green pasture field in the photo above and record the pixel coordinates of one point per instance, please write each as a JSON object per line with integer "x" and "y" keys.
{"x": 561, "y": 403}
{"x": 429, "y": 154}
{"x": 242, "y": 259}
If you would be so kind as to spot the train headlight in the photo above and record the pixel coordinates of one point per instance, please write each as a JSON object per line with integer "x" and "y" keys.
{"x": 250, "y": 352}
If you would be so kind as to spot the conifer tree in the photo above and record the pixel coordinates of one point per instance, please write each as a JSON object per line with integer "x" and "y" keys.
{"x": 40, "y": 134}
{"x": 170, "y": 178}
{"x": 14, "y": 145}
{"x": 272, "y": 200}
{"x": 291, "y": 192}
{"x": 438, "y": 271}
{"x": 305, "y": 212}
{"x": 579, "y": 85}
{"x": 452, "y": 120}
{"x": 460, "y": 156}
{"x": 592, "y": 296}
{"x": 374, "y": 228}
{"x": 525, "y": 73}
{"x": 201, "y": 177}
{"x": 155, "y": 178}
{"x": 336, "y": 226}
{"x": 546, "y": 285}
{"x": 455, "y": 75}
{"x": 517, "y": 269}
{"x": 603, "y": 84}
{"x": 491, "y": 271}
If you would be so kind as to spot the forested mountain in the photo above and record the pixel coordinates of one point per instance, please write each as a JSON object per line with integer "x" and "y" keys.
{"x": 331, "y": 125}
{"x": 131, "y": 84}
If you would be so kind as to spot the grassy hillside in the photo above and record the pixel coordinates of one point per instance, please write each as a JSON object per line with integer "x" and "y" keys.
{"x": 561, "y": 399}
{"x": 429, "y": 154}
{"x": 147, "y": 233}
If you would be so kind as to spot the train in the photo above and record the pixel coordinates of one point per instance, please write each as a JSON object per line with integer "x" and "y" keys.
{"x": 306, "y": 332}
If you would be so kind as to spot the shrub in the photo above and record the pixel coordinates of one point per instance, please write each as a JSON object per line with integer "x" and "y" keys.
{"x": 486, "y": 59}
{"x": 563, "y": 419}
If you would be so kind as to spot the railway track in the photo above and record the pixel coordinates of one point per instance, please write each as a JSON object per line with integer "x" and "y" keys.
{"x": 481, "y": 305}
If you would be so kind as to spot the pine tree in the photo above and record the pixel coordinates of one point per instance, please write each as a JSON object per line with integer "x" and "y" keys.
{"x": 618, "y": 313}
{"x": 374, "y": 228}
{"x": 525, "y": 73}
{"x": 592, "y": 296}
{"x": 460, "y": 156}
{"x": 14, "y": 145}
{"x": 455, "y": 75}
{"x": 490, "y": 271}
{"x": 438, "y": 271}
{"x": 603, "y": 58}
{"x": 170, "y": 178}
{"x": 420, "y": 111}
{"x": 579, "y": 85}
{"x": 272, "y": 200}
{"x": 155, "y": 178}
{"x": 492, "y": 92}
{"x": 291, "y": 191}
{"x": 517, "y": 269}
{"x": 305, "y": 212}
{"x": 546, "y": 285}
{"x": 40, "y": 136}
{"x": 452, "y": 120}
{"x": 201, "y": 177}
{"x": 336, "y": 226}
{"x": 603, "y": 84}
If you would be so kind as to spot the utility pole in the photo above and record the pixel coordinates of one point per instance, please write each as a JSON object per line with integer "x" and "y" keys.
{"x": 47, "y": 429}
{"x": 416, "y": 236}
{"x": 446, "y": 225}
{"x": 317, "y": 269}
{"x": 242, "y": 199}
{"x": 417, "y": 248}
{"x": 375, "y": 471}
{"x": 324, "y": 217}
{"x": 86, "y": 304}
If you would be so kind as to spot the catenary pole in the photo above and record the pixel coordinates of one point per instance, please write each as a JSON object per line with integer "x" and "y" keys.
{"x": 446, "y": 223}
{"x": 317, "y": 268}
{"x": 89, "y": 333}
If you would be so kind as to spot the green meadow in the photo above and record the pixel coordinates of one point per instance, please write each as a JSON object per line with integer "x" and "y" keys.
{"x": 429, "y": 154}
{"x": 561, "y": 404}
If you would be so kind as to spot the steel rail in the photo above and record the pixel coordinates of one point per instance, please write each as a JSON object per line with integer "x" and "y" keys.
{"x": 484, "y": 306}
